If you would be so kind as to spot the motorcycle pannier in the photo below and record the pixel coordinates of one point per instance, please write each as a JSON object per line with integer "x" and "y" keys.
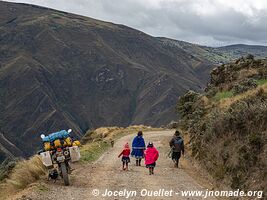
{"x": 46, "y": 158}
{"x": 74, "y": 154}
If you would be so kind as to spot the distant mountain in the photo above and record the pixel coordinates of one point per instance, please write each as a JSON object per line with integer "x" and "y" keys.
{"x": 219, "y": 55}
{"x": 60, "y": 70}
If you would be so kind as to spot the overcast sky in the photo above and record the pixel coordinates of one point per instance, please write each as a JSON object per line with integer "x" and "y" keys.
{"x": 208, "y": 22}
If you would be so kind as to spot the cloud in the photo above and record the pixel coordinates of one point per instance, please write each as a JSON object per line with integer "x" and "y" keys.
{"x": 208, "y": 22}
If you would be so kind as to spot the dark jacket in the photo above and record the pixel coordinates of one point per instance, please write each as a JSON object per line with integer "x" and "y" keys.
{"x": 177, "y": 144}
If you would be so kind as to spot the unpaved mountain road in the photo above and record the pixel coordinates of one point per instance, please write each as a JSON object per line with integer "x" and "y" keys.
{"x": 106, "y": 173}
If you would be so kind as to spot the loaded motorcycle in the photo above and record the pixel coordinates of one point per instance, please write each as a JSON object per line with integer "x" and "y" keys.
{"x": 58, "y": 156}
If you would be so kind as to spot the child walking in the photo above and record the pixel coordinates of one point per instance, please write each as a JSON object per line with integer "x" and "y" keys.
{"x": 151, "y": 156}
{"x": 125, "y": 156}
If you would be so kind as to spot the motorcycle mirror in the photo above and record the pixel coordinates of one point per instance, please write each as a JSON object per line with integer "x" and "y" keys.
{"x": 42, "y": 136}
{"x": 69, "y": 130}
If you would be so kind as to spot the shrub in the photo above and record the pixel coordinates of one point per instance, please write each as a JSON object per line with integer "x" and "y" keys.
{"x": 210, "y": 92}
{"x": 26, "y": 172}
{"x": 244, "y": 86}
{"x": 263, "y": 72}
{"x": 186, "y": 103}
{"x": 250, "y": 57}
{"x": 6, "y": 167}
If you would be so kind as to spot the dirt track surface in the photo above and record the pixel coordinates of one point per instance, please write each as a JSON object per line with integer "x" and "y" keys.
{"x": 106, "y": 173}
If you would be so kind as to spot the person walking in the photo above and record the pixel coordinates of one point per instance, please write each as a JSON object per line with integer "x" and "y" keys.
{"x": 151, "y": 156}
{"x": 125, "y": 156}
{"x": 177, "y": 147}
{"x": 138, "y": 147}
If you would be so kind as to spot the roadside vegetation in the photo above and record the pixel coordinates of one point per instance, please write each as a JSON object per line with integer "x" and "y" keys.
{"x": 25, "y": 172}
{"x": 222, "y": 95}
{"x": 6, "y": 167}
{"x": 227, "y": 125}
{"x": 261, "y": 81}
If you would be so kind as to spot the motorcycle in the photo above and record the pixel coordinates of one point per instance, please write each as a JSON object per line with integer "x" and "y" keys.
{"x": 58, "y": 162}
{"x": 61, "y": 158}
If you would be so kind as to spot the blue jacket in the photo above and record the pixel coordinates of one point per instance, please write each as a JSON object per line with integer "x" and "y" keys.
{"x": 138, "y": 147}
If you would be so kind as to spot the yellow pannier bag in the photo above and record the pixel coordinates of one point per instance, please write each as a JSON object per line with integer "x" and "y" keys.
{"x": 47, "y": 146}
{"x": 57, "y": 143}
{"x": 76, "y": 143}
{"x": 68, "y": 142}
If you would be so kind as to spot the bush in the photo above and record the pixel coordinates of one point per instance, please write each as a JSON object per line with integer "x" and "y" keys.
{"x": 244, "y": 86}
{"x": 263, "y": 72}
{"x": 250, "y": 57}
{"x": 210, "y": 92}
{"x": 186, "y": 103}
{"x": 6, "y": 167}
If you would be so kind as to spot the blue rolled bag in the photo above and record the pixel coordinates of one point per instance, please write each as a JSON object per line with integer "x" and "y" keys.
{"x": 56, "y": 135}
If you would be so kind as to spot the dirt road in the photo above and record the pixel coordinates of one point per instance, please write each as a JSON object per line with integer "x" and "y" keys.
{"x": 106, "y": 174}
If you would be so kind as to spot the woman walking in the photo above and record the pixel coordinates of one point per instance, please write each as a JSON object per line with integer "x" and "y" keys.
{"x": 138, "y": 148}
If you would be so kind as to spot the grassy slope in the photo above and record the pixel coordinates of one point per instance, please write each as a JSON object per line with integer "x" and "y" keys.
{"x": 235, "y": 123}
{"x": 226, "y": 98}
{"x": 228, "y": 101}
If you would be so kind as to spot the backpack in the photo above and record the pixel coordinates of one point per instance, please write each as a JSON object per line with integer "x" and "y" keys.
{"x": 178, "y": 143}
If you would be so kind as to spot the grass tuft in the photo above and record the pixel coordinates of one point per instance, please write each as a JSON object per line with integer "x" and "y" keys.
{"x": 92, "y": 151}
{"x": 261, "y": 81}
{"x": 26, "y": 172}
{"x": 222, "y": 95}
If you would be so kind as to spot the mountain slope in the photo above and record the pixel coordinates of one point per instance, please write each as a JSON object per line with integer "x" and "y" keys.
{"x": 218, "y": 55}
{"x": 59, "y": 70}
